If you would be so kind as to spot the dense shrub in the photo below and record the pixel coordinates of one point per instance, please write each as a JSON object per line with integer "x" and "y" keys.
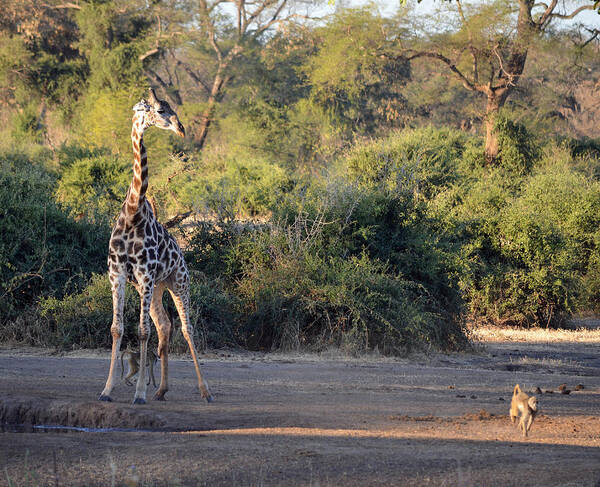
{"x": 345, "y": 265}
{"x": 43, "y": 251}
{"x": 528, "y": 247}
{"x": 94, "y": 187}
{"x": 233, "y": 187}
{"x": 384, "y": 250}
{"x": 297, "y": 293}
{"x": 83, "y": 319}
{"x": 422, "y": 160}
{"x": 518, "y": 150}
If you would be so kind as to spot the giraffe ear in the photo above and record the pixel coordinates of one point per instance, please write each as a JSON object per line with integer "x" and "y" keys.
{"x": 141, "y": 106}
{"x": 152, "y": 97}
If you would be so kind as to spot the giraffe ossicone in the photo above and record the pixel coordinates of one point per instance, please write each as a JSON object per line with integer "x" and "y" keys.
{"x": 143, "y": 252}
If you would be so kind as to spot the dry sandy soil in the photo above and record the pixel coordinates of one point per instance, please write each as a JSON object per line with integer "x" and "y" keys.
{"x": 308, "y": 420}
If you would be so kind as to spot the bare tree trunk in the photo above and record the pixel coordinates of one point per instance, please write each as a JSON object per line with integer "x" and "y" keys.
{"x": 491, "y": 137}
{"x": 208, "y": 114}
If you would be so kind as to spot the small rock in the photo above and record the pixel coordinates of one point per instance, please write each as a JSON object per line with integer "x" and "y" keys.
{"x": 500, "y": 399}
{"x": 462, "y": 396}
{"x": 473, "y": 396}
{"x": 450, "y": 387}
{"x": 548, "y": 391}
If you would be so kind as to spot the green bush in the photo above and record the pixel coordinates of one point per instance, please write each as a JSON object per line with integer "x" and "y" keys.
{"x": 347, "y": 266}
{"x": 43, "y": 252}
{"x": 233, "y": 187}
{"x": 518, "y": 150}
{"x": 94, "y": 187}
{"x": 25, "y": 123}
{"x": 528, "y": 248}
{"x": 421, "y": 160}
{"x": 296, "y": 296}
{"x": 83, "y": 319}
{"x": 214, "y": 313}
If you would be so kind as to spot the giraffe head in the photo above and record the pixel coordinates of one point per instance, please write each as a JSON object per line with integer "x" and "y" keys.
{"x": 158, "y": 113}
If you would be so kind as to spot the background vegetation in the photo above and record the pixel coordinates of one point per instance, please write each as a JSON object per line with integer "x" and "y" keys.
{"x": 344, "y": 183}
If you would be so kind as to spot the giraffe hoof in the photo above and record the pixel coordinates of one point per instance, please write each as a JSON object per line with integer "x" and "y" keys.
{"x": 104, "y": 398}
{"x": 139, "y": 400}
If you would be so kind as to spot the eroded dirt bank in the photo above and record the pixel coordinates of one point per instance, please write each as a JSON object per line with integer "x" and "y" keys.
{"x": 439, "y": 420}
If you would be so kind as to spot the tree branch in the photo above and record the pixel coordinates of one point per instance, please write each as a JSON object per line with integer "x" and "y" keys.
{"x": 467, "y": 83}
{"x": 547, "y": 13}
{"x": 63, "y": 5}
{"x": 176, "y": 220}
{"x": 574, "y": 13}
{"x": 193, "y": 75}
{"x": 471, "y": 47}
{"x": 149, "y": 53}
{"x": 595, "y": 33}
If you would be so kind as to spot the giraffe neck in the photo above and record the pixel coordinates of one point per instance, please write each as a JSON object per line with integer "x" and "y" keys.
{"x": 139, "y": 183}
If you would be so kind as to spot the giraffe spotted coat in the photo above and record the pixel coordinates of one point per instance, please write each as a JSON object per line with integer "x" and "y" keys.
{"x": 142, "y": 252}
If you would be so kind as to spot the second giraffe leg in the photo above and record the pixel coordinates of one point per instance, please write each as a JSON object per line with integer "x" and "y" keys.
{"x": 145, "y": 291}
{"x": 181, "y": 297}
{"x": 163, "y": 328}
{"x": 116, "y": 330}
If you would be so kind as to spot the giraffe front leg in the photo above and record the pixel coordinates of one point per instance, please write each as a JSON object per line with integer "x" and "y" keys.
{"x": 144, "y": 334}
{"x": 116, "y": 330}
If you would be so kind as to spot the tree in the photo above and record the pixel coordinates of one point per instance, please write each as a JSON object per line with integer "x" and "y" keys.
{"x": 488, "y": 53}
{"x": 351, "y": 76}
{"x": 38, "y": 57}
{"x": 212, "y": 37}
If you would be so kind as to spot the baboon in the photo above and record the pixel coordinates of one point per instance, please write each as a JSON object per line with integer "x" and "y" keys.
{"x": 133, "y": 359}
{"x": 526, "y": 406}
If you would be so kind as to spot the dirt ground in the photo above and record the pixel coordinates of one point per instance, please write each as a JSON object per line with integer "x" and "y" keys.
{"x": 307, "y": 420}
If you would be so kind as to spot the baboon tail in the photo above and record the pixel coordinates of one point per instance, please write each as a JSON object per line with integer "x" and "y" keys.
{"x": 122, "y": 368}
{"x": 517, "y": 390}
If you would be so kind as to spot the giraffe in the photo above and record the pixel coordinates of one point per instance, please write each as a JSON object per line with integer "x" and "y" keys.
{"x": 142, "y": 252}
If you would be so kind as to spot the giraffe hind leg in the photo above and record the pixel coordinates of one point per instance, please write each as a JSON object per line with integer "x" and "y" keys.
{"x": 163, "y": 329}
{"x": 146, "y": 288}
{"x": 181, "y": 297}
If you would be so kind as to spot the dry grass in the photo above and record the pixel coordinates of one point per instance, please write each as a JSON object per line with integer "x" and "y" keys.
{"x": 545, "y": 362}
{"x": 491, "y": 334}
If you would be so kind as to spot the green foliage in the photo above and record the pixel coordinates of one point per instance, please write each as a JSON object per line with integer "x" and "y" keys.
{"x": 517, "y": 148}
{"x": 352, "y": 76}
{"x": 339, "y": 265}
{"x": 25, "y": 123}
{"x": 298, "y": 293}
{"x": 233, "y": 187}
{"x": 424, "y": 160}
{"x": 214, "y": 313}
{"x": 528, "y": 247}
{"x": 83, "y": 319}
{"x": 42, "y": 250}
{"x": 112, "y": 39}
{"x": 13, "y": 57}
{"x": 93, "y": 187}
